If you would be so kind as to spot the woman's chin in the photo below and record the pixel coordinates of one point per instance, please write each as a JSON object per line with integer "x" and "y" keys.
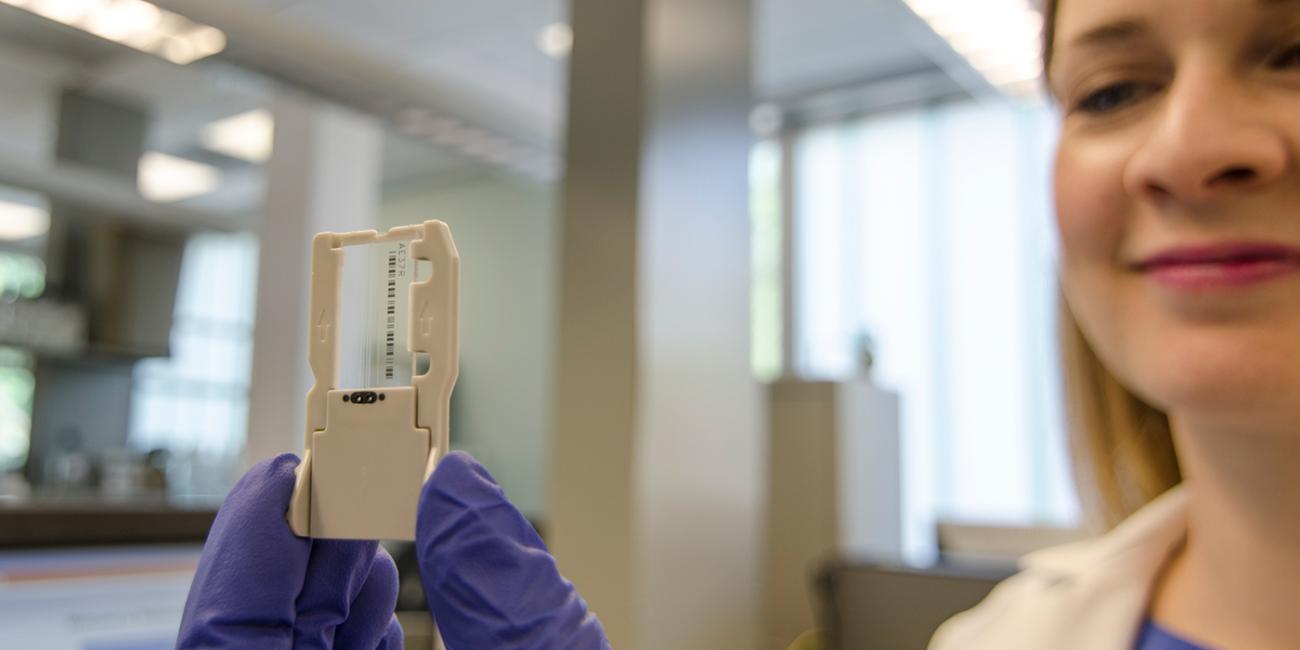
{"x": 1240, "y": 394}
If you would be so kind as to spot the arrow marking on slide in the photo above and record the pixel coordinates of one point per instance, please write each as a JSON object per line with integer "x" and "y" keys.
{"x": 323, "y": 326}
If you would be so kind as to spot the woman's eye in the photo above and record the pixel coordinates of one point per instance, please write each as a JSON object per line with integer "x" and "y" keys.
{"x": 1112, "y": 97}
{"x": 1288, "y": 59}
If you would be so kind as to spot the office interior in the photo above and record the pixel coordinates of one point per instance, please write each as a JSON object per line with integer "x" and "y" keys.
{"x": 757, "y": 296}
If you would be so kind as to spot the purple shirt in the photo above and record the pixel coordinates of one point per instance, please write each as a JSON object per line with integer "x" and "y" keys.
{"x": 1154, "y": 637}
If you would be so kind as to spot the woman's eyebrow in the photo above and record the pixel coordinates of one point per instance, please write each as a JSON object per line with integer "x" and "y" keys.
{"x": 1127, "y": 29}
{"x": 1119, "y": 31}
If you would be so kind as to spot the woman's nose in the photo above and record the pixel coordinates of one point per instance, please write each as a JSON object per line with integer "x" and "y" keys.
{"x": 1206, "y": 143}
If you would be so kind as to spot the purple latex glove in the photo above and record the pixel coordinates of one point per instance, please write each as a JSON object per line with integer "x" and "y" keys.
{"x": 488, "y": 577}
{"x": 260, "y": 586}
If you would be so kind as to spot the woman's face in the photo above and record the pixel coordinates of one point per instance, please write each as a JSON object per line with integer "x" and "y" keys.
{"x": 1178, "y": 198}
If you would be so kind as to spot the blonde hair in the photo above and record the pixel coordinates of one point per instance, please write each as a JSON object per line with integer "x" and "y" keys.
{"x": 1121, "y": 446}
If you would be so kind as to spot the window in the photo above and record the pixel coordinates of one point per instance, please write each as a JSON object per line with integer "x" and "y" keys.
{"x": 930, "y": 232}
{"x": 22, "y": 276}
{"x": 194, "y": 404}
{"x": 765, "y": 242}
{"x": 16, "y": 388}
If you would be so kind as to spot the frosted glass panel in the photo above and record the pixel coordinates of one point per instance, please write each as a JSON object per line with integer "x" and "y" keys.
{"x": 930, "y": 231}
{"x": 193, "y": 404}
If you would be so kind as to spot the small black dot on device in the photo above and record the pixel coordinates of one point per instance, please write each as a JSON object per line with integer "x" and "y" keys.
{"x": 381, "y": 397}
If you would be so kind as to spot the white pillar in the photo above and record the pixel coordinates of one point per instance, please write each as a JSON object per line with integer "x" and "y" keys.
{"x": 324, "y": 174}
{"x": 834, "y": 491}
{"x": 657, "y": 464}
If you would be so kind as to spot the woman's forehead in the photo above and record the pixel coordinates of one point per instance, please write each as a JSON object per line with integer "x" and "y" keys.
{"x": 1092, "y": 20}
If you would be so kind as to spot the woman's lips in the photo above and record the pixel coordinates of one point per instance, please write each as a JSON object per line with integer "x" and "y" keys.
{"x": 1220, "y": 265}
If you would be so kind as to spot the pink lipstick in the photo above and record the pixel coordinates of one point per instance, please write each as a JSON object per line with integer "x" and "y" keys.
{"x": 1224, "y": 265}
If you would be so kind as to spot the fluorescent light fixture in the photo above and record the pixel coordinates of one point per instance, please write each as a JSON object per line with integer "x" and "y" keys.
{"x": 66, "y": 11}
{"x": 134, "y": 23}
{"x": 165, "y": 178}
{"x": 207, "y": 40}
{"x": 19, "y": 222}
{"x": 124, "y": 19}
{"x": 999, "y": 38}
{"x": 247, "y": 136}
{"x": 1011, "y": 74}
{"x": 555, "y": 40}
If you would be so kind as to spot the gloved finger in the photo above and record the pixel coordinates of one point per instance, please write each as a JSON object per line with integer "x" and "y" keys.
{"x": 336, "y": 572}
{"x": 251, "y": 568}
{"x": 393, "y": 640}
{"x": 488, "y": 577}
{"x": 372, "y": 610}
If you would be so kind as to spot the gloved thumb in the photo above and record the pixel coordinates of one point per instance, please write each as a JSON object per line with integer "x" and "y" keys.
{"x": 488, "y": 577}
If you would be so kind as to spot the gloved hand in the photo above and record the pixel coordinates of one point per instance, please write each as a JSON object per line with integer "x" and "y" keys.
{"x": 489, "y": 580}
{"x": 259, "y": 586}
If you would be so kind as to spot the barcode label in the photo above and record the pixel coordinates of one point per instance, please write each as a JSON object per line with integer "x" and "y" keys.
{"x": 373, "y": 313}
{"x": 396, "y": 271}
{"x": 390, "y": 333}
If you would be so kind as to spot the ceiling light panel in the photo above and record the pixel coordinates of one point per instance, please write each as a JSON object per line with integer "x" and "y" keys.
{"x": 166, "y": 179}
{"x": 19, "y": 221}
{"x": 247, "y": 136}
{"x": 134, "y": 23}
{"x": 999, "y": 38}
{"x": 555, "y": 40}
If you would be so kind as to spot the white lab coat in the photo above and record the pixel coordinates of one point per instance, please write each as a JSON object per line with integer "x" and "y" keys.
{"x": 1091, "y": 594}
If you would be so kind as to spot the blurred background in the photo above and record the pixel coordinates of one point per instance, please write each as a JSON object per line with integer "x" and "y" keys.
{"x": 761, "y": 290}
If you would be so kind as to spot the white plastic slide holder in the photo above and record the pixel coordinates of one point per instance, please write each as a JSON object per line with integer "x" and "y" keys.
{"x": 369, "y": 451}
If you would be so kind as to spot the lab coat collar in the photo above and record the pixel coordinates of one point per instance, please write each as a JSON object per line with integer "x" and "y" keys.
{"x": 1089, "y": 595}
{"x": 1141, "y": 542}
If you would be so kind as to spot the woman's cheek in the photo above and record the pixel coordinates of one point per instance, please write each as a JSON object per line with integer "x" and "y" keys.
{"x": 1092, "y": 217}
{"x": 1092, "y": 206}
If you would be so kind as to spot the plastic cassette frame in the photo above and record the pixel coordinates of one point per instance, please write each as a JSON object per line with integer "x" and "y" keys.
{"x": 366, "y": 457}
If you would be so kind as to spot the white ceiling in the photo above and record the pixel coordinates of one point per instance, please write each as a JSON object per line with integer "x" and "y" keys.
{"x": 810, "y": 45}
{"x": 485, "y": 48}
{"x": 482, "y": 53}
{"x": 488, "y": 48}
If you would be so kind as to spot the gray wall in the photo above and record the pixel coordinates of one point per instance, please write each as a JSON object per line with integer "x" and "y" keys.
{"x": 506, "y": 231}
